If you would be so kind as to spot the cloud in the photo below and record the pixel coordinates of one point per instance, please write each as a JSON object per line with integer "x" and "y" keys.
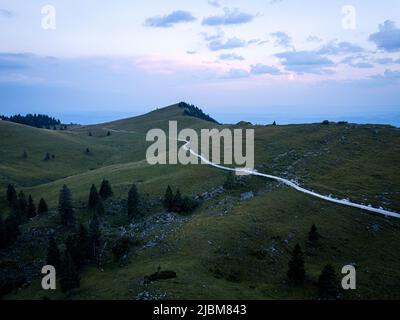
{"x": 169, "y": 20}
{"x": 389, "y": 76}
{"x": 6, "y": 13}
{"x": 282, "y": 39}
{"x": 264, "y": 69}
{"x": 388, "y": 37}
{"x": 230, "y": 17}
{"x": 305, "y": 62}
{"x": 230, "y": 57}
{"x": 362, "y": 65}
{"x": 313, "y": 39}
{"x": 214, "y": 3}
{"x": 231, "y": 43}
{"x": 237, "y": 74}
{"x": 334, "y": 48}
{"x": 14, "y": 61}
{"x": 387, "y": 61}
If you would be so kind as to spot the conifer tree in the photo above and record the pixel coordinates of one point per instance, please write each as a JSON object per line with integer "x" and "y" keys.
{"x": 24, "y": 155}
{"x": 70, "y": 277}
{"x": 31, "y": 210}
{"x": 65, "y": 207}
{"x": 42, "y": 207}
{"x": 100, "y": 208}
{"x": 53, "y": 254}
{"x": 12, "y": 229}
{"x": 328, "y": 283}
{"x": 83, "y": 241}
{"x": 47, "y": 157}
{"x": 11, "y": 194}
{"x": 105, "y": 189}
{"x": 168, "y": 199}
{"x": 313, "y": 235}
{"x": 93, "y": 197}
{"x": 133, "y": 202}
{"x": 296, "y": 272}
{"x": 21, "y": 212}
{"x": 230, "y": 181}
{"x": 177, "y": 202}
{"x": 94, "y": 236}
{"x": 3, "y": 236}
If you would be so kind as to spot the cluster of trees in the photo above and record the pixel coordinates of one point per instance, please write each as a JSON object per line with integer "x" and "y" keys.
{"x": 33, "y": 120}
{"x": 328, "y": 284}
{"x": 80, "y": 249}
{"x": 21, "y": 209}
{"x": 193, "y": 111}
{"x": 177, "y": 203}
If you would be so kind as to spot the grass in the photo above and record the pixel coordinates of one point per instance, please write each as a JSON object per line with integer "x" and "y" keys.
{"x": 227, "y": 249}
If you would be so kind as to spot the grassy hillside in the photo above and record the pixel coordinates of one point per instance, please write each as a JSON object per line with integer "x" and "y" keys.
{"x": 229, "y": 247}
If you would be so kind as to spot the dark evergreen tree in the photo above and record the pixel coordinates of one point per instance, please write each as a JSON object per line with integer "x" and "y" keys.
{"x": 93, "y": 197}
{"x": 42, "y": 207}
{"x": 177, "y": 202}
{"x": 70, "y": 277}
{"x": 87, "y": 151}
{"x": 328, "y": 287}
{"x": 230, "y": 181}
{"x": 90, "y": 134}
{"x": 274, "y": 123}
{"x": 84, "y": 249}
{"x": 94, "y": 236}
{"x": 24, "y": 155}
{"x": 105, "y": 189}
{"x": 296, "y": 272}
{"x": 3, "y": 236}
{"x": 133, "y": 203}
{"x": 121, "y": 248}
{"x": 11, "y": 194}
{"x": 168, "y": 199}
{"x": 21, "y": 213}
{"x": 100, "y": 208}
{"x": 12, "y": 229}
{"x": 31, "y": 210}
{"x": 47, "y": 156}
{"x": 65, "y": 207}
{"x": 53, "y": 254}
{"x": 108, "y": 133}
{"x": 313, "y": 235}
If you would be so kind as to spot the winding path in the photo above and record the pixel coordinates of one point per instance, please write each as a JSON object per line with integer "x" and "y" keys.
{"x": 289, "y": 183}
{"x": 292, "y": 185}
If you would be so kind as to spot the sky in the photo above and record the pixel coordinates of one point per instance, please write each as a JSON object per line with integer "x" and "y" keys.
{"x": 260, "y": 60}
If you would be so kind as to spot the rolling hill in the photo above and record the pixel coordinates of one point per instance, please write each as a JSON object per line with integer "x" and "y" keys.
{"x": 229, "y": 247}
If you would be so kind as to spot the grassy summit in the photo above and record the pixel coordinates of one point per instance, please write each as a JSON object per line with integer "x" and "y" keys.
{"x": 229, "y": 247}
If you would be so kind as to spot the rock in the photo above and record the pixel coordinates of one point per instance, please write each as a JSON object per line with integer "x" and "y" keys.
{"x": 246, "y": 195}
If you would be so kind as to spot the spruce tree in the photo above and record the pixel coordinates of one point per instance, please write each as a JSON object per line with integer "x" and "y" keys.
{"x": 296, "y": 272}
{"x": 133, "y": 203}
{"x": 328, "y": 287}
{"x": 105, "y": 189}
{"x": 94, "y": 236}
{"x": 100, "y": 208}
{"x": 70, "y": 277}
{"x": 177, "y": 202}
{"x": 31, "y": 210}
{"x": 93, "y": 197}
{"x": 313, "y": 235}
{"x": 168, "y": 199}
{"x": 3, "y": 236}
{"x": 21, "y": 213}
{"x": 11, "y": 194}
{"x": 12, "y": 229}
{"x": 53, "y": 254}
{"x": 83, "y": 241}
{"x": 230, "y": 181}
{"x": 42, "y": 207}
{"x": 65, "y": 207}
